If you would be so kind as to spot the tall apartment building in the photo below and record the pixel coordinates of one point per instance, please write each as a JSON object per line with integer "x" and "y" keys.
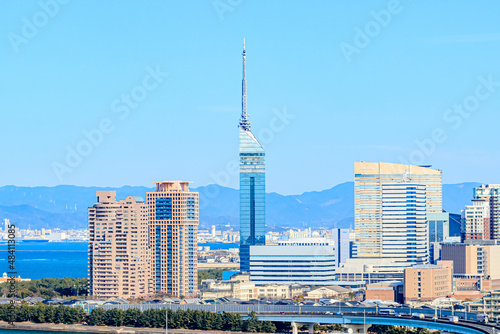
{"x": 428, "y": 282}
{"x": 475, "y": 223}
{"x": 173, "y": 224}
{"x": 369, "y": 182}
{"x": 491, "y": 194}
{"x": 119, "y": 258}
{"x": 252, "y": 184}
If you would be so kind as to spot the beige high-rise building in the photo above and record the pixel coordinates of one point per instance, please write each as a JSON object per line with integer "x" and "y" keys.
{"x": 119, "y": 258}
{"x": 372, "y": 201}
{"x": 173, "y": 225}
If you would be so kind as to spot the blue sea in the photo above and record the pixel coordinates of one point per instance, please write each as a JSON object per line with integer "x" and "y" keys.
{"x": 56, "y": 259}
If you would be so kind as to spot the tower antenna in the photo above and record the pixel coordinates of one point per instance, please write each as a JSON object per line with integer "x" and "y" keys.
{"x": 244, "y": 122}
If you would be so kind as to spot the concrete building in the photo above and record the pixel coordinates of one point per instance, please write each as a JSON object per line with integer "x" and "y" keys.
{"x": 491, "y": 193}
{"x": 173, "y": 224}
{"x": 370, "y": 181}
{"x": 476, "y": 265}
{"x": 252, "y": 184}
{"x": 390, "y": 291}
{"x": 119, "y": 256}
{"x": 489, "y": 304}
{"x": 428, "y": 282}
{"x": 300, "y": 261}
{"x": 279, "y": 291}
{"x": 240, "y": 286}
{"x": 475, "y": 224}
{"x": 334, "y": 292}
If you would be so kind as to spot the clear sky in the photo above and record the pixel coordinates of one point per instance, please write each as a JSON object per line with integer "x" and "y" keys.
{"x": 329, "y": 83}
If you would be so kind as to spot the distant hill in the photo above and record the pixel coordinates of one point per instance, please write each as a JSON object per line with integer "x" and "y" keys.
{"x": 66, "y": 206}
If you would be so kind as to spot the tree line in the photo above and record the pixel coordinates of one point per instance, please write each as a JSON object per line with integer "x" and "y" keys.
{"x": 49, "y": 288}
{"x": 180, "y": 319}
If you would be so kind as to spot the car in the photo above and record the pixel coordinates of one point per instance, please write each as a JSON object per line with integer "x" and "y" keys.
{"x": 482, "y": 318}
{"x": 453, "y": 319}
{"x": 328, "y": 312}
{"x": 386, "y": 312}
{"x": 418, "y": 315}
{"x": 282, "y": 313}
{"x": 339, "y": 313}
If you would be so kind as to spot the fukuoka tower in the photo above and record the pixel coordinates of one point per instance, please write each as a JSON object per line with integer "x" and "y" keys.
{"x": 252, "y": 183}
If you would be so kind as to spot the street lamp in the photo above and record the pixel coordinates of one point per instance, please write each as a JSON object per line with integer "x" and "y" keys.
{"x": 364, "y": 321}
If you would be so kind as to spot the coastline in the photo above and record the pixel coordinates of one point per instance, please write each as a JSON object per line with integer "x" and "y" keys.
{"x": 29, "y": 326}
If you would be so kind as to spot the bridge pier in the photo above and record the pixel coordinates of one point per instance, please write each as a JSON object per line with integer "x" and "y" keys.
{"x": 296, "y": 324}
{"x": 294, "y": 328}
{"x": 356, "y": 328}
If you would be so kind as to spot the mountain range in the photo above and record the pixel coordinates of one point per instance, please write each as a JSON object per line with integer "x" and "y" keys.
{"x": 66, "y": 206}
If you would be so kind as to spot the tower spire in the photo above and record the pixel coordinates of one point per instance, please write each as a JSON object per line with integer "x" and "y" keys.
{"x": 244, "y": 121}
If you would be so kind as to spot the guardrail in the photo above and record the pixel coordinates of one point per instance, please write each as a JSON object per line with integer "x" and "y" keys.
{"x": 261, "y": 309}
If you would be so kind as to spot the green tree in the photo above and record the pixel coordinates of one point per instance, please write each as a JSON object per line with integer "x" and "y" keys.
{"x": 114, "y": 317}
{"x": 131, "y": 317}
{"x": 96, "y": 317}
{"x": 252, "y": 324}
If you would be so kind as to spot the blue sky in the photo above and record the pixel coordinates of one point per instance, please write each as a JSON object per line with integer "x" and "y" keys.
{"x": 316, "y": 107}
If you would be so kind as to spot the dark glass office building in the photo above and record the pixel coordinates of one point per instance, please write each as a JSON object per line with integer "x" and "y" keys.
{"x": 252, "y": 185}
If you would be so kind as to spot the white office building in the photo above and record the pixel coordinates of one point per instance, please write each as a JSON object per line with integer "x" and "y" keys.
{"x": 404, "y": 223}
{"x": 308, "y": 261}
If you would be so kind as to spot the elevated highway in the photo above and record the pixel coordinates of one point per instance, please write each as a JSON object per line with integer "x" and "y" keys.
{"x": 364, "y": 322}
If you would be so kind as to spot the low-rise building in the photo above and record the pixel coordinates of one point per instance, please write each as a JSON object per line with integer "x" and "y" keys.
{"x": 240, "y": 286}
{"x": 279, "y": 291}
{"x": 489, "y": 304}
{"x": 428, "y": 282}
{"x": 332, "y": 291}
{"x": 386, "y": 291}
